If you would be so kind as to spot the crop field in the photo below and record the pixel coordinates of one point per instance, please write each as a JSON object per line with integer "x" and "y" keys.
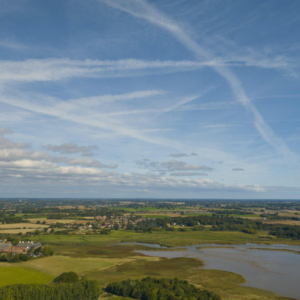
{"x": 17, "y": 231}
{"x": 22, "y": 225}
{"x": 52, "y": 221}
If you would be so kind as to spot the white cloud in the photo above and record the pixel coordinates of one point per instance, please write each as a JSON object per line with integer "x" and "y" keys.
{"x": 24, "y": 167}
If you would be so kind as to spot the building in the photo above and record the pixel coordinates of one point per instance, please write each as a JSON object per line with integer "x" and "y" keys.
{"x": 4, "y": 246}
{"x": 29, "y": 245}
{"x": 21, "y": 248}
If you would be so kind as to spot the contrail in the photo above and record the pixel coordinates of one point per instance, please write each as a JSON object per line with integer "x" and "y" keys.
{"x": 141, "y": 9}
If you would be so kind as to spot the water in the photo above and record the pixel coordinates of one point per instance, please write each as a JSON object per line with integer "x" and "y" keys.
{"x": 275, "y": 271}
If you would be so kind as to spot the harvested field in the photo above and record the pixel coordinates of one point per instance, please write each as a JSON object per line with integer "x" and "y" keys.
{"x": 52, "y": 221}
{"x": 21, "y": 225}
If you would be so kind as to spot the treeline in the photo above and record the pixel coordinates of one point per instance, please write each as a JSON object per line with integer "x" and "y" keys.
{"x": 10, "y": 218}
{"x": 276, "y": 217}
{"x": 230, "y": 212}
{"x": 218, "y": 223}
{"x": 13, "y": 258}
{"x": 160, "y": 289}
{"x": 84, "y": 290}
{"x": 286, "y": 231}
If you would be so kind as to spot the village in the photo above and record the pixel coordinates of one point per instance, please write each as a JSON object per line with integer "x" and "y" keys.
{"x": 99, "y": 222}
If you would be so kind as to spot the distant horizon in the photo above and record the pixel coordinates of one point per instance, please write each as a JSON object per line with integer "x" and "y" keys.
{"x": 150, "y": 199}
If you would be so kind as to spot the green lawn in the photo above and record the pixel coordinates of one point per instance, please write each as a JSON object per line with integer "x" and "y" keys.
{"x": 55, "y": 265}
{"x": 15, "y": 274}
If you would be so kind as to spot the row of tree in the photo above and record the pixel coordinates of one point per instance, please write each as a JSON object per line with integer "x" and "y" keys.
{"x": 218, "y": 223}
{"x": 159, "y": 289}
{"x": 83, "y": 290}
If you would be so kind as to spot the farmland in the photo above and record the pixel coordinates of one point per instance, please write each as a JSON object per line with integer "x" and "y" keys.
{"x": 87, "y": 239}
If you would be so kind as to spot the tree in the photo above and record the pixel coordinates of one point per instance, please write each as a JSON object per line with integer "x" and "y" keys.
{"x": 116, "y": 226}
{"x": 47, "y": 251}
{"x": 66, "y": 277}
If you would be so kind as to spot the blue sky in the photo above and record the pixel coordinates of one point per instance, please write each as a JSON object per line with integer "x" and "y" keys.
{"x": 150, "y": 99}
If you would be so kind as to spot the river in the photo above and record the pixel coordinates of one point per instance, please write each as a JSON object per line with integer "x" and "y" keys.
{"x": 275, "y": 271}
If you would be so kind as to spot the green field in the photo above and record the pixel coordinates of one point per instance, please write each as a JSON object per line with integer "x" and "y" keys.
{"x": 20, "y": 274}
{"x": 55, "y": 265}
{"x": 167, "y": 238}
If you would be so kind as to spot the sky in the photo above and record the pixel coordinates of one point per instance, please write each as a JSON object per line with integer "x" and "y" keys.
{"x": 150, "y": 99}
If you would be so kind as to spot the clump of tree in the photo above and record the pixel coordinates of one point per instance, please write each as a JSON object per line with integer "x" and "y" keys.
{"x": 13, "y": 258}
{"x": 83, "y": 290}
{"x": 105, "y": 231}
{"x": 286, "y": 231}
{"x": 160, "y": 289}
{"x": 249, "y": 230}
{"x": 46, "y": 251}
{"x": 66, "y": 277}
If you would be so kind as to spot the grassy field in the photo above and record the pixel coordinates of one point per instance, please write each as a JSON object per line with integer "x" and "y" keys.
{"x": 167, "y": 238}
{"x": 55, "y": 265}
{"x": 224, "y": 283}
{"x": 18, "y": 274}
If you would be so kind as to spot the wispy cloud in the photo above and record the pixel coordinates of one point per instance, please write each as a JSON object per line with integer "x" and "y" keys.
{"x": 171, "y": 166}
{"x": 141, "y": 9}
{"x": 70, "y": 148}
{"x": 51, "y": 106}
{"x": 238, "y": 169}
{"x": 182, "y": 154}
{"x": 13, "y": 45}
{"x": 55, "y": 69}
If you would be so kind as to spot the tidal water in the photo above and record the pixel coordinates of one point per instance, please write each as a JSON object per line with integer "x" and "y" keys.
{"x": 275, "y": 271}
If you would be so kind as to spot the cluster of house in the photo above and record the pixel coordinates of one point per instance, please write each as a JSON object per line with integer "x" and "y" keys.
{"x": 103, "y": 222}
{"x": 21, "y": 248}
